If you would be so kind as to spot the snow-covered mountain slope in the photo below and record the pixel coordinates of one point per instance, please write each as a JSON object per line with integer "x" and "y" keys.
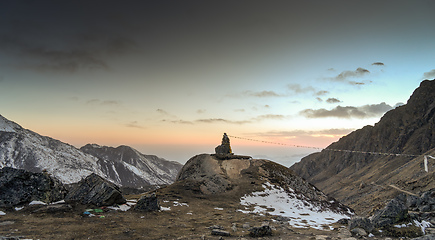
{"x": 128, "y": 167}
{"x": 25, "y": 149}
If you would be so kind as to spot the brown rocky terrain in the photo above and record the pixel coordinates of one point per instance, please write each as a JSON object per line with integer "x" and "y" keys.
{"x": 205, "y": 200}
{"x": 345, "y": 171}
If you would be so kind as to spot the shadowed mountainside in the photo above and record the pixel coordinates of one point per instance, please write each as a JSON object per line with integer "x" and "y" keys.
{"x": 363, "y": 180}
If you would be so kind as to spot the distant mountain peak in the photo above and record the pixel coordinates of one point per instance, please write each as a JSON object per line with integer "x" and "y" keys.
{"x": 23, "y": 149}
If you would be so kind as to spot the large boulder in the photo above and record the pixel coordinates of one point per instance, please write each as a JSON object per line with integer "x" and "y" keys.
{"x": 210, "y": 175}
{"x": 395, "y": 211}
{"x": 147, "y": 203}
{"x": 18, "y": 187}
{"x": 97, "y": 191}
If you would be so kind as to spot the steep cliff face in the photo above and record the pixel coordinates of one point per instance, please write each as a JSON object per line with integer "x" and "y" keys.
{"x": 406, "y": 130}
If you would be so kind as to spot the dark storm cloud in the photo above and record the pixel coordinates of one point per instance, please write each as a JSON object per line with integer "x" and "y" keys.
{"x": 366, "y": 111}
{"x": 61, "y": 36}
{"x": 378, "y": 64}
{"x": 42, "y": 58}
{"x": 430, "y": 74}
{"x": 332, "y": 100}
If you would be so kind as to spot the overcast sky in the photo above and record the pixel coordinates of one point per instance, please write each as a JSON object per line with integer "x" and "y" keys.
{"x": 170, "y": 77}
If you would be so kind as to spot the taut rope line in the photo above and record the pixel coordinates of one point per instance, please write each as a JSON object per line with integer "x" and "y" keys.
{"x": 334, "y": 150}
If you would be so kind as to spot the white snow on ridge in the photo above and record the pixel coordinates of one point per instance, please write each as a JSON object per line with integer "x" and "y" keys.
{"x": 274, "y": 200}
{"x": 6, "y": 125}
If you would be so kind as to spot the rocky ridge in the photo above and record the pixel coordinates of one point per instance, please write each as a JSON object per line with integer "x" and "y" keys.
{"x": 131, "y": 168}
{"x": 24, "y": 149}
{"x": 366, "y": 180}
{"x": 250, "y": 181}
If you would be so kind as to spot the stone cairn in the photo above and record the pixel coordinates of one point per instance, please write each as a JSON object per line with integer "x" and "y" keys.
{"x": 224, "y": 151}
{"x": 225, "y": 147}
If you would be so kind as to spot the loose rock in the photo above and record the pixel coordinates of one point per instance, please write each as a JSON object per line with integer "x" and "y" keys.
{"x": 361, "y": 222}
{"x": 219, "y": 232}
{"x": 260, "y": 231}
{"x": 97, "y": 191}
{"x": 147, "y": 203}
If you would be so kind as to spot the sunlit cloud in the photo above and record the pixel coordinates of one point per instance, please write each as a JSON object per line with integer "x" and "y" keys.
{"x": 348, "y": 76}
{"x": 322, "y": 93}
{"x": 179, "y": 121}
{"x": 269, "y": 117}
{"x": 365, "y": 111}
{"x": 430, "y": 74}
{"x": 298, "y": 133}
{"x": 262, "y": 94}
{"x": 220, "y": 120}
{"x": 297, "y": 89}
{"x": 134, "y": 124}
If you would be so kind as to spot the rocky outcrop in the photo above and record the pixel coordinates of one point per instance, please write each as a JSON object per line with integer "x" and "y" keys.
{"x": 403, "y": 216}
{"x": 394, "y": 212}
{"x": 147, "y": 203}
{"x": 18, "y": 187}
{"x": 96, "y": 191}
{"x": 408, "y": 131}
{"x": 207, "y": 175}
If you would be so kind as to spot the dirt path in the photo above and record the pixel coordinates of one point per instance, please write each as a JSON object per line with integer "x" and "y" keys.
{"x": 404, "y": 191}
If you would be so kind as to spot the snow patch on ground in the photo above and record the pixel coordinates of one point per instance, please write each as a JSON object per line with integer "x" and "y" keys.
{"x": 165, "y": 208}
{"x": 274, "y": 200}
{"x": 176, "y": 203}
{"x": 37, "y": 203}
{"x": 423, "y": 225}
{"x": 123, "y": 207}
